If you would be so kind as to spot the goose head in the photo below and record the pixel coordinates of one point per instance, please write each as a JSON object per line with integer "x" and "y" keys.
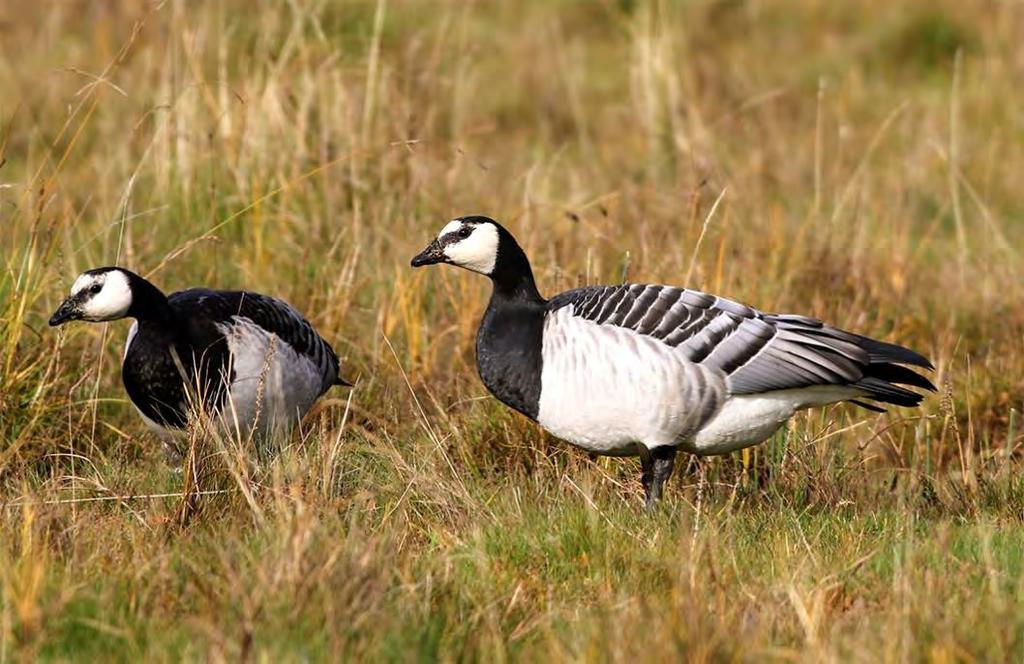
{"x": 97, "y": 295}
{"x": 473, "y": 243}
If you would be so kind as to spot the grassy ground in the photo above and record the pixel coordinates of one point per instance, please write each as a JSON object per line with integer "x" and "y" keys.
{"x": 860, "y": 162}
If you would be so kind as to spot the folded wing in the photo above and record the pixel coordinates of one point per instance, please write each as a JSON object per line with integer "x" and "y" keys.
{"x": 270, "y": 314}
{"x": 757, "y": 352}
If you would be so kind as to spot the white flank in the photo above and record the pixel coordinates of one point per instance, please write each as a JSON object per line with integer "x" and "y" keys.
{"x": 271, "y": 381}
{"x": 608, "y": 389}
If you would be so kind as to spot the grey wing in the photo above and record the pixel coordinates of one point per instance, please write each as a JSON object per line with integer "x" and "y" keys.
{"x": 757, "y": 352}
{"x": 283, "y": 320}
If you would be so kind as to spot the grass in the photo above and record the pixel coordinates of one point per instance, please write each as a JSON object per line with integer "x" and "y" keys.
{"x": 858, "y": 162}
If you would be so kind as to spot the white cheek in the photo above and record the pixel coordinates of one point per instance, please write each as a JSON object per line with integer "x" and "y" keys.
{"x": 478, "y": 252}
{"x": 105, "y": 307}
{"x": 110, "y": 303}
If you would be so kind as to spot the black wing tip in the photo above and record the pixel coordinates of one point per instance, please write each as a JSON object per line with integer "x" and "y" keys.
{"x": 342, "y": 382}
{"x": 883, "y": 351}
{"x": 883, "y": 391}
{"x": 895, "y": 373}
{"x": 883, "y": 382}
{"x": 886, "y": 373}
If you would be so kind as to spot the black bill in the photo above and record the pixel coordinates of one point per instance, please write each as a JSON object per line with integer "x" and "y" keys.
{"x": 65, "y": 312}
{"x": 434, "y": 253}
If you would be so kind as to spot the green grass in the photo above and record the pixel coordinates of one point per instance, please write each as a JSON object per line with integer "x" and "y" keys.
{"x": 867, "y": 162}
{"x": 536, "y": 573}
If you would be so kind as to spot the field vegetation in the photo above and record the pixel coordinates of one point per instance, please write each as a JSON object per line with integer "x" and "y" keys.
{"x": 859, "y": 162}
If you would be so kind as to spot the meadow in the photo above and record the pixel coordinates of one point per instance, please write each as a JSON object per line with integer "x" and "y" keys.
{"x": 859, "y": 162}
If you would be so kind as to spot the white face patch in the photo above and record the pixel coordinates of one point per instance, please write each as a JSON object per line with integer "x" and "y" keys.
{"x": 478, "y": 252}
{"x": 450, "y": 227}
{"x": 104, "y": 296}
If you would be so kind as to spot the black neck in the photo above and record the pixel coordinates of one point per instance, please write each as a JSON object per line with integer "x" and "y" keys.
{"x": 511, "y": 334}
{"x": 512, "y": 276}
{"x": 148, "y": 302}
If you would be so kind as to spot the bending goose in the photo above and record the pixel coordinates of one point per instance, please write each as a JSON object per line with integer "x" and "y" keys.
{"x": 252, "y": 361}
{"x": 648, "y": 370}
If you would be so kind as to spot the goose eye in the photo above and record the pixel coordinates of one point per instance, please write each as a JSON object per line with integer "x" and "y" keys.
{"x": 95, "y": 288}
{"x": 465, "y": 232}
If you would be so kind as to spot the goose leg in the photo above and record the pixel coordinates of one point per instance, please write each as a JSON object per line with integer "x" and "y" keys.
{"x": 657, "y": 467}
{"x": 172, "y": 454}
{"x": 172, "y": 449}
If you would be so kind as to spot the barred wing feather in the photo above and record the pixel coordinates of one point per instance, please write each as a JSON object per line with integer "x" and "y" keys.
{"x": 757, "y": 352}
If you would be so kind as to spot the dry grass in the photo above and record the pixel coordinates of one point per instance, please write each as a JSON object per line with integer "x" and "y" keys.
{"x": 866, "y": 161}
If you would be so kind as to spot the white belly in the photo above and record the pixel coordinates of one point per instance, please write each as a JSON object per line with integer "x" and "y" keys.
{"x": 607, "y": 389}
{"x": 746, "y": 420}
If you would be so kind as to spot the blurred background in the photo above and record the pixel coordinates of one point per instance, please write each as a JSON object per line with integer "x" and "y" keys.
{"x": 862, "y": 163}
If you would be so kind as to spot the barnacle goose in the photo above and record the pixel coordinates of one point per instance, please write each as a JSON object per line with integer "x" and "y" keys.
{"x": 249, "y": 361}
{"x": 647, "y": 370}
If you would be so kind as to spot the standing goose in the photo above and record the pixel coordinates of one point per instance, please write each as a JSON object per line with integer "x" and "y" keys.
{"x": 252, "y": 361}
{"x": 647, "y": 370}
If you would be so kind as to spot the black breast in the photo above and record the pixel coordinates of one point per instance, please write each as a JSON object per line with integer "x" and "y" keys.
{"x": 156, "y": 384}
{"x": 508, "y": 353}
